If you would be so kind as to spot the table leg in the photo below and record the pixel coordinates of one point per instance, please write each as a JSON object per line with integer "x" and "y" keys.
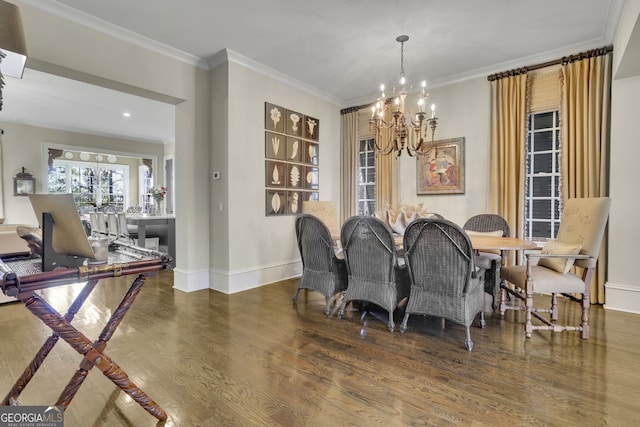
{"x": 171, "y": 241}
{"x": 142, "y": 234}
{"x": 48, "y": 345}
{"x": 93, "y": 352}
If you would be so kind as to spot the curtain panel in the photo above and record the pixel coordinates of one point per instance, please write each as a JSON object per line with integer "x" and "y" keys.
{"x": 585, "y": 128}
{"x": 386, "y": 170}
{"x": 508, "y": 148}
{"x": 349, "y": 165}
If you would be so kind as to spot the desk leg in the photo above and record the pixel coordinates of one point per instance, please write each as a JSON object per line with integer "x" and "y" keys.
{"x": 93, "y": 352}
{"x": 42, "y": 354}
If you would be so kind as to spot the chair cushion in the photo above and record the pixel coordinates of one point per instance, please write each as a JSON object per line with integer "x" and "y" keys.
{"x": 497, "y": 233}
{"x": 483, "y": 262}
{"x": 545, "y": 280}
{"x": 492, "y": 256}
{"x": 554, "y": 247}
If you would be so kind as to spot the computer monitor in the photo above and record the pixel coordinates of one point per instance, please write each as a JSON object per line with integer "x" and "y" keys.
{"x": 68, "y": 237}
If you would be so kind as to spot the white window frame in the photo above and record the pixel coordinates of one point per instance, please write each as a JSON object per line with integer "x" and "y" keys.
{"x": 555, "y": 196}
{"x": 69, "y": 164}
{"x": 369, "y": 144}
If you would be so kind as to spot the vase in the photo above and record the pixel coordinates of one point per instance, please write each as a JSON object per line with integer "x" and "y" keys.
{"x": 158, "y": 208}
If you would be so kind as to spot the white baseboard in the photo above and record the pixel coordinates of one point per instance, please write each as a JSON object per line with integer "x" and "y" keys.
{"x": 230, "y": 282}
{"x": 622, "y": 298}
{"x": 190, "y": 281}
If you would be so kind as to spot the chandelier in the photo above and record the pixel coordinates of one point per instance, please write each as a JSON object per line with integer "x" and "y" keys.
{"x": 405, "y": 130}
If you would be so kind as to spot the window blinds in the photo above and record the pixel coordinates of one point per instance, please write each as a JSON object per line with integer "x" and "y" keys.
{"x": 544, "y": 91}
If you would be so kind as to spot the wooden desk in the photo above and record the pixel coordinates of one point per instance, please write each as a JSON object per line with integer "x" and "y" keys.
{"x": 21, "y": 278}
{"x": 167, "y": 221}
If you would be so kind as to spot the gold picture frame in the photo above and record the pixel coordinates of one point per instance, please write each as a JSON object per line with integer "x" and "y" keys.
{"x": 441, "y": 170}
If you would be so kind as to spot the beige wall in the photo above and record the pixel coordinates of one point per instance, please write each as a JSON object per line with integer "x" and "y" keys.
{"x": 219, "y": 126}
{"x": 74, "y": 51}
{"x": 623, "y": 285}
{"x": 464, "y": 110}
{"x": 261, "y": 249}
{"x": 22, "y": 145}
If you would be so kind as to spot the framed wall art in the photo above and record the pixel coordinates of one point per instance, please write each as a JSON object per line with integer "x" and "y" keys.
{"x": 294, "y": 202}
{"x": 295, "y": 147}
{"x": 294, "y": 123}
{"x": 275, "y": 174}
{"x": 311, "y": 178}
{"x": 273, "y": 117}
{"x": 292, "y": 158}
{"x": 311, "y": 154}
{"x": 294, "y": 175}
{"x": 274, "y": 146}
{"x": 311, "y": 128}
{"x": 441, "y": 171}
{"x": 276, "y": 202}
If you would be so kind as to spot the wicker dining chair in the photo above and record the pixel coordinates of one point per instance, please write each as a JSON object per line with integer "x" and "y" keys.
{"x": 374, "y": 275}
{"x": 578, "y": 241}
{"x": 490, "y": 261}
{"x": 322, "y": 270}
{"x": 444, "y": 279}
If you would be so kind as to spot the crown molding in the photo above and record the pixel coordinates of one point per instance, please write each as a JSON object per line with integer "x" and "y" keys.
{"x": 228, "y": 55}
{"x": 81, "y": 18}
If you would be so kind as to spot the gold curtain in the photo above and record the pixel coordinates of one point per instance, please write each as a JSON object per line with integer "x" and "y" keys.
{"x": 586, "y": 97}
{"x": 349, "y": 164}
{"x": 508, "y": 148}
{"x": 386, "y": 175}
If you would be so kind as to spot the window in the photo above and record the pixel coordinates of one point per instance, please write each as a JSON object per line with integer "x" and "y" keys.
{"x": 91, "y": 185}
{"x": 542, "y": 198}
{"x": 366, "y": 178}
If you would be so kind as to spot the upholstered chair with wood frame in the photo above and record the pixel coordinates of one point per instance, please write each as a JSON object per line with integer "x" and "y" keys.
{"x": 444, "y": 279}
{"x": 578, "y": 243}
{"x": 490, "y": 261}
{"x": 322, "y": 270}
{"x": 372, "y": 265}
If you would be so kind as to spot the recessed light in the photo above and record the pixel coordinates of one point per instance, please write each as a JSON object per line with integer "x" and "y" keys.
{"x": 126, "y": 114}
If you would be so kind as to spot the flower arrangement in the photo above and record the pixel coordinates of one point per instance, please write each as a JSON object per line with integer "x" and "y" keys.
{"x": 158, "y": 192}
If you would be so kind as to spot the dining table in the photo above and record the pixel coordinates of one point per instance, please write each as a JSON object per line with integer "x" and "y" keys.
{"x": 167, "y": 222}
{"x": 479, "y": 242}
{"x": 494, "y": 243}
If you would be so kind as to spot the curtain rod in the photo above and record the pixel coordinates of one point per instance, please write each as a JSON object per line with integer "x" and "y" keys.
{"x": 564, "y": 60}
{"x": 517, "y": 71}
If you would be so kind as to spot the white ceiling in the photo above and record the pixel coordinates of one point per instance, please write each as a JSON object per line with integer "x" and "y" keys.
{"x": 340, "y": 50}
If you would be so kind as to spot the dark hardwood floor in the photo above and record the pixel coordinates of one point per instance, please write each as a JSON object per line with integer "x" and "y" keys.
{"x": 256, "y": 359}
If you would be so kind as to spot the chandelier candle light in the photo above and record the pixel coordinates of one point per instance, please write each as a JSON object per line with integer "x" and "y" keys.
{"x": 402, "y": 124}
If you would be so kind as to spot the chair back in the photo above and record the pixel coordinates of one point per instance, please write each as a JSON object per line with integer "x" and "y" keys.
{"x": 488, "y": 222}
{"x": 98, "y": 223}
{"x": 439, "y": 256}
{"x": 369, "y": 249}
{"x": 314, "y": 243}
{"x": 583, "y": 222}
{"x": 325, "y": 211}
